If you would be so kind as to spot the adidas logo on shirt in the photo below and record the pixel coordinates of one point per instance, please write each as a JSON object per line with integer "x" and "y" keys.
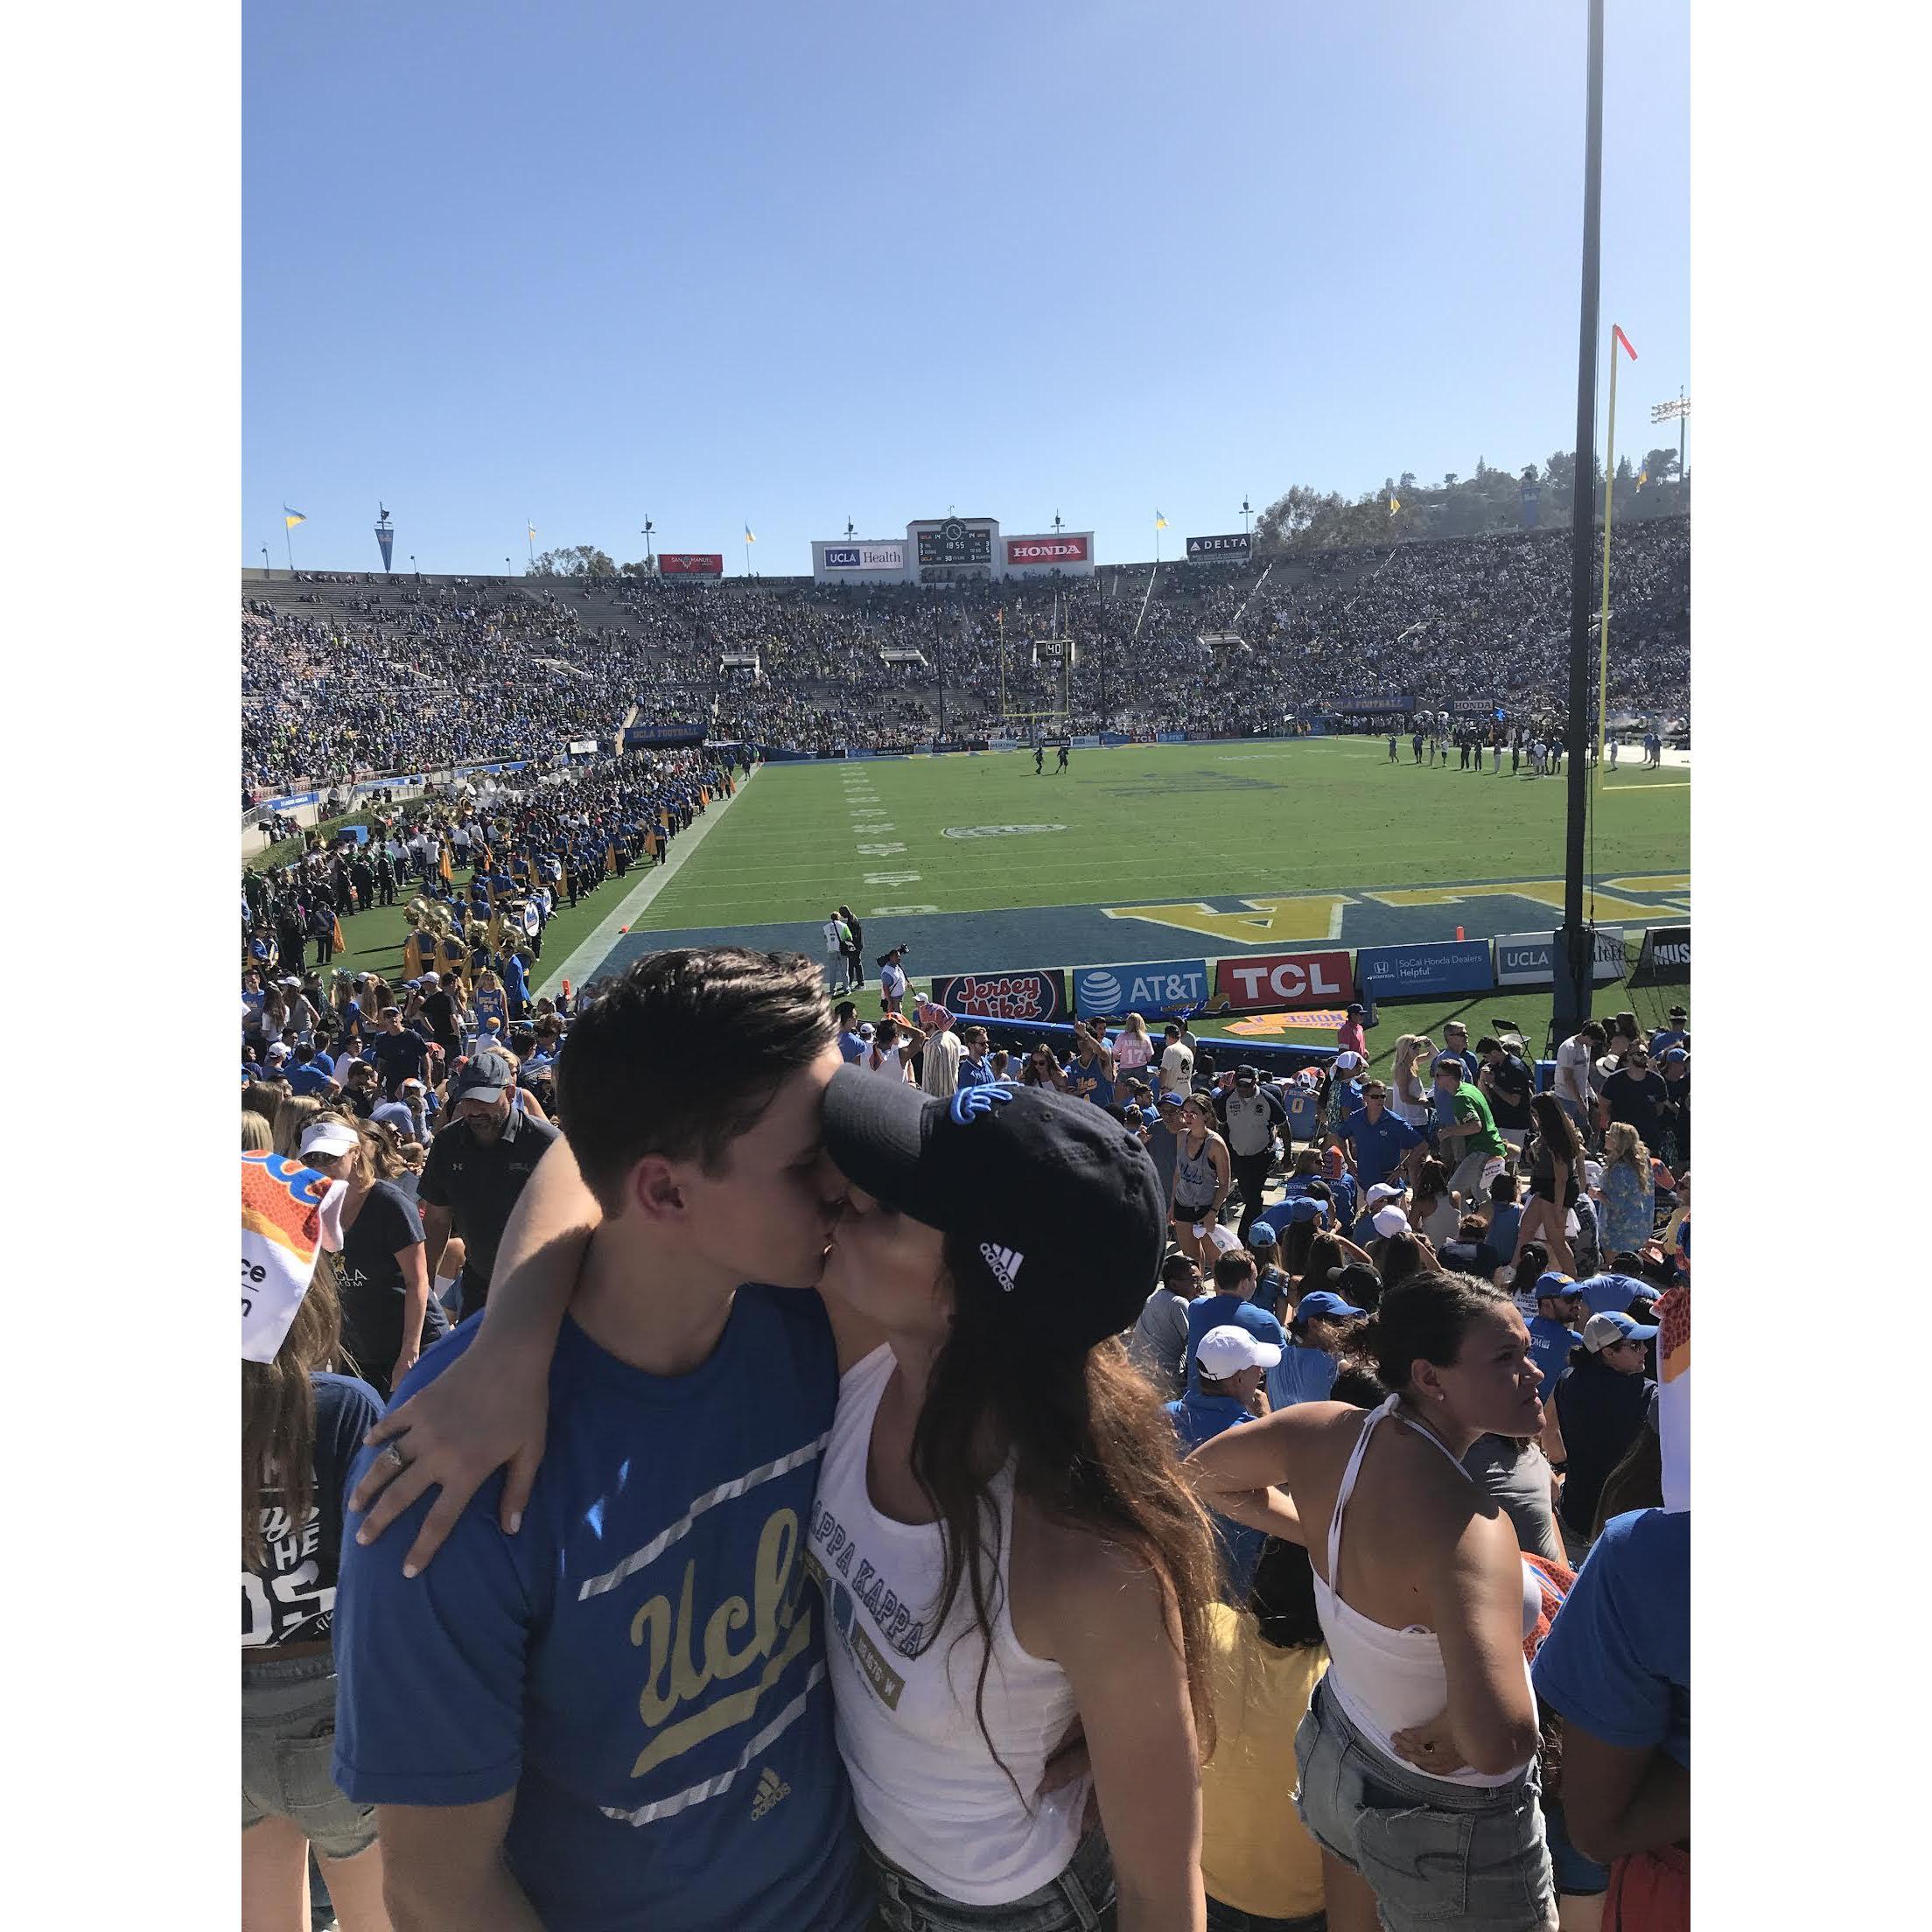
{"x": 771, "y": 1788}
{"x": 1003, "y": 1261}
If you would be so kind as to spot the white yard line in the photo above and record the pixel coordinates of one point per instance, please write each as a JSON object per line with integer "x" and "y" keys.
{"x": 590, "y": 953}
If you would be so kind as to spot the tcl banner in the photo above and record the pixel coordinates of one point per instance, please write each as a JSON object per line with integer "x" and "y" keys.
{"x": 1232, "y": 549}
{"x": 1026, "y": 996}
{"x": 1060, "y": 549}
{"x": 690, "y": 564}
{"x": 1283, "y": 980}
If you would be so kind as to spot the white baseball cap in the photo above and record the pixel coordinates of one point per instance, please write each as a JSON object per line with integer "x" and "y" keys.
{"x": 1390, "y": 1220}
{"x": 1227, "y": 1351}
{"x": 329, "y": 1137}
{"x": 1347, "y": 1062}
{"x": 433, "y": 979}
{"x": 1225, "y": 1239}
{"x": 1383, "y": 1191}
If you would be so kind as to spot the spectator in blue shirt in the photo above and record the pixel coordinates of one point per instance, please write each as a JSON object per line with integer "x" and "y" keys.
{"x": 976, "y": 1068}
{"x": 1230, "y": 1364}
{"x": 1377, "y": 1140}
{"x": 1675, "y": 1034}
{"x": 851, "y": 1048}
{"x": 1553, "y": 1328}
{"x": 1455, "y": 1040}
{"x": 1233, "y": 1283}
{"x": 1499, "y": 1245}
{"x": 312, "y": 1072}
{"x": 1616, "y": 1668}
{"x": 1323, "y": 1322}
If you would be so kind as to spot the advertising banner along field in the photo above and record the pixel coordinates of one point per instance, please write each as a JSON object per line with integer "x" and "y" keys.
{"x": 1233, "y": 549}
{"x": 690, "y": 564}
{"x": 1398, "y": 972}
{"x": 1529, "y": 959}
{"x": 1034, "y": 994}
{"x": 1290, "y": 980}
{"x": 1165, "y": 988}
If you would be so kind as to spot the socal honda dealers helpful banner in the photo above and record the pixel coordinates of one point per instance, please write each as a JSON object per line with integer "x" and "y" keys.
{"x": 690, "y": 564}
{"x": 1060, "y": 549}
{"x": 1266, "y": 981}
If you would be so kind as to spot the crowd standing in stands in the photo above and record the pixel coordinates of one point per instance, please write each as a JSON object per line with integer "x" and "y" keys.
{"x": 834, "y": 1539}
{"x": 351, "y": 681}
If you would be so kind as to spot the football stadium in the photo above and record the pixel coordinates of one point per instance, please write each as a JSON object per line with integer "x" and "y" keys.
{"x": 868, "y": 1119}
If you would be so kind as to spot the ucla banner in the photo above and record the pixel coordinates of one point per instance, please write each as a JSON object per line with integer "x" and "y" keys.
{"x": 1529, "y": 959}
{"x": 1167, "y": 987}
{"x": 1454, "y": 966}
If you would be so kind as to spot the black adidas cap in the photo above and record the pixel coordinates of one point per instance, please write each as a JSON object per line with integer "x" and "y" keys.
{"x": 1060, "y": 1201}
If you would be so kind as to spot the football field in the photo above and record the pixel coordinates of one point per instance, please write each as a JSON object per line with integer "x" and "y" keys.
{"x": 1142, "y": 852}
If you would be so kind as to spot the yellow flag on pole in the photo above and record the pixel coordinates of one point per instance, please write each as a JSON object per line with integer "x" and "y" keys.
{"x": 1160, "y": 521}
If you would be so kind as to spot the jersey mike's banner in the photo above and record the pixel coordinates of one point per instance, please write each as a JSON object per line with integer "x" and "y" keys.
{"x": 1452, "y": 966}
{"x": 690, "y": 564}
{"x": 1036, "y": 994}
{"x": 1232, "y": 549}
{"x": 1165, "y": 988}
{"x": 1290, "y": 980}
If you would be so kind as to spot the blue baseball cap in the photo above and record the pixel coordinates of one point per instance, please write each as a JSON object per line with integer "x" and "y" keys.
{"x": 1171, "y": 1100}
{"x": 1555, "y": 1283}
{"x": 1263, "y": 1235}
{"x": 1601, "y": 1331}
{"x": 1673, "y": 1054}
{"x": 1612, "y": 1293}
{"x": 1322, "y": 1302}
{"x": 1306, "y": 1207}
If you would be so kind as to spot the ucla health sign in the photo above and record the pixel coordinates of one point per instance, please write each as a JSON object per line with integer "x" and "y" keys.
{"x": 1454, "y": 966}
{"x": 1167, "y": 987}
{"x": 865, "y": 556}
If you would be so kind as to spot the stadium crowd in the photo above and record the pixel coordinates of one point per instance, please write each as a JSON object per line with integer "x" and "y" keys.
{"x": 353, "y": 677}
{"x": 1151, "y": 1522}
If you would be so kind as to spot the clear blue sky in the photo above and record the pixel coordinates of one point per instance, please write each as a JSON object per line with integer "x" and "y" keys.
{"x": 753, "y": 260}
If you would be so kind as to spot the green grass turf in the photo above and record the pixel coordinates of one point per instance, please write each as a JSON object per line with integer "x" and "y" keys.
{"x": 1153, "y": 823}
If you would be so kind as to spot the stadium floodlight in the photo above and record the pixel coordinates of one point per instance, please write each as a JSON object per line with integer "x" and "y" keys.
{"x": 1674, "y": 412}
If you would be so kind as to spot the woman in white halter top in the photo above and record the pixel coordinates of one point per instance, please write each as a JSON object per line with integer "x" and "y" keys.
{"x": 1419, "y": 1755}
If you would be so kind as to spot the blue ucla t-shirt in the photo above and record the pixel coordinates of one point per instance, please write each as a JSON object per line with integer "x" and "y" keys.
{"x": 643, "y": 1664}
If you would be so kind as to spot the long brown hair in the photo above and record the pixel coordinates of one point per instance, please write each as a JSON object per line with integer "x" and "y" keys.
{"x": 1092, "y": 1446}
{"x": 278, "y": 1410}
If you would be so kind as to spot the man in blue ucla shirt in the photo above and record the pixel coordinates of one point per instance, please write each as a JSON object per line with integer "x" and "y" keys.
{"x": 617, "y": 1720}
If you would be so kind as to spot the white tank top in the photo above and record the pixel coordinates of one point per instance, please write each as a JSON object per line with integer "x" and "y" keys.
{"x": 926, "y": 1789}
{"x": 1389, "y": 1680}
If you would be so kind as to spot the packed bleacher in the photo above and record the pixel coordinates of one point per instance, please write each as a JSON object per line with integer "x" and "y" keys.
{"x": 354, "y": 676}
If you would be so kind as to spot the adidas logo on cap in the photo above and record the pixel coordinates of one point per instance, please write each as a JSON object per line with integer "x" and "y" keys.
{"x": 771, "y": 1788}
{"x": 1005, "y": 1263}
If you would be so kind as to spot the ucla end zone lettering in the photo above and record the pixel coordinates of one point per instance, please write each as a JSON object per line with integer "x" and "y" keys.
{"x": 1165, "y": 987}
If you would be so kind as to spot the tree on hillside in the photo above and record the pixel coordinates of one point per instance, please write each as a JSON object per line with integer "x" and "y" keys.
{"x": 577, "y": 560}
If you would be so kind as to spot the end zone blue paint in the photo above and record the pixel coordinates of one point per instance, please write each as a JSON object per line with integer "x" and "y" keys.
{"x": 1084, "y": 935}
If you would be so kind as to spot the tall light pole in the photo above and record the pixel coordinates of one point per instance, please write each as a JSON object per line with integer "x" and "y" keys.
{"x": 647, "y": 533}
{"x": 507, "y": 571}
{"x": 1575, "y": 962}
{"x": 1245, "y": 514}
{"x": 1056, "y": 522}
{"x": 1668, "y": 412}
{"x": 266, "y": 571}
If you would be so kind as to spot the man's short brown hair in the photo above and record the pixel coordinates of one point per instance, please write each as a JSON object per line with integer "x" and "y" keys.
{"x": 682, "y": 1053}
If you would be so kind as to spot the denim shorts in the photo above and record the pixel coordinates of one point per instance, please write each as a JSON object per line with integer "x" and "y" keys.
{"x": 288, "y": 1736}
{"x": 1434, "y": 1853}
{"x": 1080, "y": 1900}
